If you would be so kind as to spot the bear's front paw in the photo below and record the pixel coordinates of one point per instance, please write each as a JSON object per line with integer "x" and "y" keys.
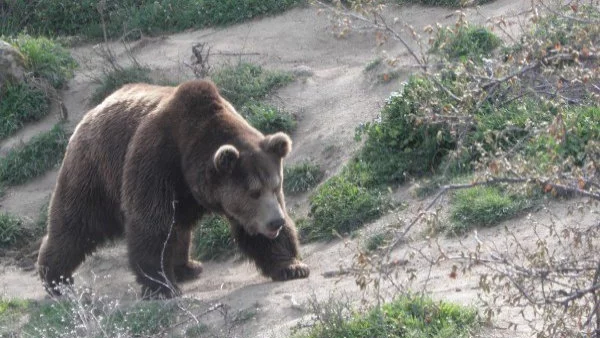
{"x": 294, "y": 271}
{"x": 190, "y": 270}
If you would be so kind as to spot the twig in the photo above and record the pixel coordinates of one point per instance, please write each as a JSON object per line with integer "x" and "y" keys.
{"x": 551, "y": 10}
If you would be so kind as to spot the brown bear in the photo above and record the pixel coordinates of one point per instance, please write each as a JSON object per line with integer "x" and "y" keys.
{"x": 148, "y": 162}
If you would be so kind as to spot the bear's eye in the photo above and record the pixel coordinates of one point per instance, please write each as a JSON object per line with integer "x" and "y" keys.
{"x": 255, "y": 194}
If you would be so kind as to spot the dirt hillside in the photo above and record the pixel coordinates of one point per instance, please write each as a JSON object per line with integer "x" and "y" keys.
{"x": 330, "y": 97}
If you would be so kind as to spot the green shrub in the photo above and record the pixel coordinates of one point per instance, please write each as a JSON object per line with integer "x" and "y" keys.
{"x": 340, "y": 205}
{"x": 407, "y": 316}
{"x": 46, "y": 59}
{"x": 402, "y": 142}
{"x": 371, "y": 65}
{"x": 245, "y": 83}
{"x": 268, "y": 119}
{"x": 34, "y": 158}
{"x": 11, "y": 229}
{"x": 378, "y": 240}
{"x": 212, "y": 239}
{"x": 115, "y": 79}
{"x": 484, "y": 206}
{"x": 582, "y": 125}
{"x": 581, "y": 128}
{"x": 20, "y": 103}
{"x": 301, "y": 177}
{"x": 465, "y": 42}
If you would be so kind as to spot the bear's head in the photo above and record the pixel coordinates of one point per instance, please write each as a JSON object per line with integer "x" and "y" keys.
{"x": 249, "y": 186}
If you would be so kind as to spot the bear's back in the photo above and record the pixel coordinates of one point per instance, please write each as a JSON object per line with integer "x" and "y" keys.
{"x": 98, "y": 146}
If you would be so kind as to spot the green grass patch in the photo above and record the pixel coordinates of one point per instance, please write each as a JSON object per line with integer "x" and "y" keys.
{"x": 74, "y": 17}
{"x": 465, "y": 42}
{"x": 11, "y": 229}
{"x": 34, "y": 158}
{"x": 55, "y": 319}
{"x": 144, "y": 319}
{"x": 341, "y": 206}
{"x": 244, "y": 83}
{"x": 484, "y": 206}
{"x": 268, "y": 119}
{"x": 301, "y": 177}
{"x": 378, "y": 240}
{"x": 212, "y": 239}
{"x": 110, "y": 81}
{"x": 42, "y": 220}
{"x": 407, "y": 316}
{"x": 20, "y": 103}
{"x": 373, "y": 64}
{"x": 11, "y": 312}
{"x": 46, "y": 59}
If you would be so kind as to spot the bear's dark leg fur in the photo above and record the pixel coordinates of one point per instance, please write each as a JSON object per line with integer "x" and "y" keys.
{"x": 276, "y": 258}
{"x": 151, "y": 259}
{"x": 185, "y": 268}
{"x": 59, "y": 255}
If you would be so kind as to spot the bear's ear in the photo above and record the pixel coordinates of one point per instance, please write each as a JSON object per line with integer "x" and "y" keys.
{"x": 279, "y": 144}
{"x": 225, "y": 158}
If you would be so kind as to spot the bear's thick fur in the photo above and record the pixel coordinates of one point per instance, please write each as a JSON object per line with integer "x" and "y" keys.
{"x": 148, "y": 162}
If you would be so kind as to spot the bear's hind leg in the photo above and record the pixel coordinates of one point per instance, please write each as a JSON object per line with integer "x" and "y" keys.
{"x": 185, "y": 268}
{"x": 276, "y": 258}
{"x": 151, "y": 259}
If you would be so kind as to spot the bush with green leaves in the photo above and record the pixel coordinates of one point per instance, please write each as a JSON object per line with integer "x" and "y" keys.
{"x": 245, "y": 83}
{"x": 406, "y": 316}
{"x": 46, "y": 59}
{"x": 41, "y": 153}
{"x": 212, "y": 238}
{"x": 20, "y": 103}
{"x": 576, "y": 132}
{"x": 268, "y": 119}
{"x": 114, "y": 79}
{"x": 465, "y": 42}
{"x": 11, "y": 229}
{"x": 301, "y": 177}
{"x": 402, "y": 143}
{"x": 341, "y": 206}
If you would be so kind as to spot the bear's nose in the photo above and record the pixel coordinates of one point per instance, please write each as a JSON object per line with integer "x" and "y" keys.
{"x": 276, "y": 224}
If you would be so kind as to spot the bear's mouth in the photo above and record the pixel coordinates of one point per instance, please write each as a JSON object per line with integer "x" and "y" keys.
{"x": 272, "y": 234}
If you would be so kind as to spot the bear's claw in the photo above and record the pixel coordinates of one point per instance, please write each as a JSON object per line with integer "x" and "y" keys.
{"x": 293, "y": 271}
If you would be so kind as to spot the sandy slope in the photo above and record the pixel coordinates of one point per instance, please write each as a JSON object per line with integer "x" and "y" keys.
{"x": 330, "y": 102}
